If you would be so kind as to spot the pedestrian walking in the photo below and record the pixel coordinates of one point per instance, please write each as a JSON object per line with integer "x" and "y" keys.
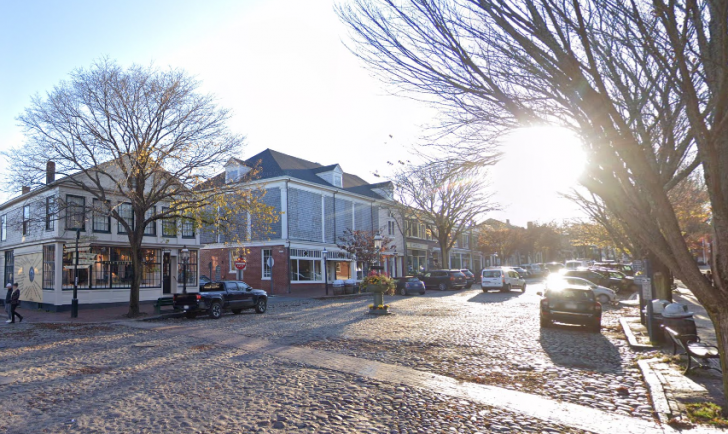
{"x": 7, "y": 301}
{"x": 14, "y": 302}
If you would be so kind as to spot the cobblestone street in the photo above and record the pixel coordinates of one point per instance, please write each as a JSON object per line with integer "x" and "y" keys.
{"x": 113, "y": 378}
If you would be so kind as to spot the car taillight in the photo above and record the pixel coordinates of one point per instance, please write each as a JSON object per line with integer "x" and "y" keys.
{"x": 174, "y": 297}
{"x": 597, "y": 307}
{"x": 544, "y": 302}
{"x": 199, "y": 297}
{"x": 503, "y": 279}
{"x": 452, "y": 278}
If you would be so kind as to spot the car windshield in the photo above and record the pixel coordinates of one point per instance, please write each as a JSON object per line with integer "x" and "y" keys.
{"x": 616, "y": 275}
{"x": 491, "y": 273}
{"x": 412, "y": 279}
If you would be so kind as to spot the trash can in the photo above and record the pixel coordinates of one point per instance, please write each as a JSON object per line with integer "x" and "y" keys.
{"x": 349, "y": 286}
{"x": 338, "y": 287}
{"x": 677, "y": 317}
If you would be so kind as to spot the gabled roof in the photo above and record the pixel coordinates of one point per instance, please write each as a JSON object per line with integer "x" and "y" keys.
{"x": 274, "y": 164}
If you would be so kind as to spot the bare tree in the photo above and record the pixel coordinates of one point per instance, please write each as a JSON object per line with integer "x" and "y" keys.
{"x": 447, "y": 197}
{"x": 140, "y": 136}
{"x": 363, "y": 244}
{"x": 642, "y": 83}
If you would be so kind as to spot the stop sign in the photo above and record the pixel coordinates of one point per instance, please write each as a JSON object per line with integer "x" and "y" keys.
{"x": 240, "y": 264}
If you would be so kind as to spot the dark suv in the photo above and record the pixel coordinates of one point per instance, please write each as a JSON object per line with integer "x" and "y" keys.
{"x": 469, "y": 278}
{"x": 571, "y": 305}
{"x": 444, "y": 279}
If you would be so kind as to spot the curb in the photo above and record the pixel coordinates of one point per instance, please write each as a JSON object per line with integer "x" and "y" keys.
{"x": 657, "y": 393}
{"x": 345, "y": 296}
{"x": 631, "y": 339}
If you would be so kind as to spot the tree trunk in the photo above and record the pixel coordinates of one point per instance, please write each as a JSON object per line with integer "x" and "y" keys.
{"x": 136, "y": 266}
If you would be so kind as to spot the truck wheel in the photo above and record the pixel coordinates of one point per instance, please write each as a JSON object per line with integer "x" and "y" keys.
{"x": 261, "y": 305}
{"x": 442, "y": 286}
{"x": 190, "y": 315}
{"x": 237, "y": 311}
{"x": 215, "y": 310}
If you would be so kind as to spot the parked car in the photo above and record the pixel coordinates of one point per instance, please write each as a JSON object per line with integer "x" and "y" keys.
{"x": 522, "y": 272}
{"x": 503, "y": 279}
{"x": 618, "y": 281}
{"x": 534, "y": 270}
{"x": 469, "y": 278}
{"x": 576, "y": 264}
{"x": 571, "y": 305}
{"x": 410, "y": 285}
{"x": 553, "y": 267}
{"x": 443, "y": 279}
{"x": 603, "y": 294}
{"x": 591, "y": 276}
{"x": 216, "y": 297}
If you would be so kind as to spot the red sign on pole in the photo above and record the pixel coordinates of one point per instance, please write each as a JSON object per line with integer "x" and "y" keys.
{"x": 240, "y": 264}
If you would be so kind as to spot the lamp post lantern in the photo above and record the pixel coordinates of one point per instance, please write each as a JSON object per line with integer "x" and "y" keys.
{"x": 326, "y": 271}
{"x": 378, "y": 247}
{"x": 185, "y": 256}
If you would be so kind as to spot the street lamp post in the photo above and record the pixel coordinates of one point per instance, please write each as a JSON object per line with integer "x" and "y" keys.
{"x": 185, "y": 256}
{"x": 74, "y": 300}
{"x": 326, "y": 271}
{"x": 378, "y": 247}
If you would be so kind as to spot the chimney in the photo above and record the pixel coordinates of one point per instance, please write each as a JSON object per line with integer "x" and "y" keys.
{"x": 26, "y": 190}
{"x": 50, "y": 172}
{"x": 508, "y": 222}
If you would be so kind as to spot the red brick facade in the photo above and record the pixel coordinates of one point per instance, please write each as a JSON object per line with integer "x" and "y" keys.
{"x": 254, "y": 269}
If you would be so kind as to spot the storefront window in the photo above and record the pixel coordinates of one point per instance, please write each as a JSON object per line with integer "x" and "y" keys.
{"x": 113, "y": 269}
{"x": 49, "y": 267}
{"x": 306, "y": 270}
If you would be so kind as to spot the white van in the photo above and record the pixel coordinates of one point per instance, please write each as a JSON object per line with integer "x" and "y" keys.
{"x": 501, "y": 278}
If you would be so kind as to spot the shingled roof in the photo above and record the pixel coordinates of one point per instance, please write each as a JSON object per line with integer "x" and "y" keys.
{"x": 274, "y": 164}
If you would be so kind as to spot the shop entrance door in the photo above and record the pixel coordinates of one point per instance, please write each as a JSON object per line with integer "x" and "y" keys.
{"x": 166, "y": 274}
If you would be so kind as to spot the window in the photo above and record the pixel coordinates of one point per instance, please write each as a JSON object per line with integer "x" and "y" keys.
{"x": 267, "y": 271}
{"x": 75, "y": 212}
{"x": 112, "y": 269}
{"x": 169, "y": 226}
{"x": 390, "y": 228}
{"x": 337, "y": 180}
{"x": 4, "y": 227}
{"x": 191, "y": 269}
{"x": 188, "y": 228}
{"x": 306, "y": 270}
{"x": 101, "y": 219}
{"x": 151, "y": 228}
{"x": 9, "y": 266}
{"x": 126, "y": 212}
{"x": 50, "y": 210}
{"x": 26, "y": 219}
{"x": 49, "y": 267}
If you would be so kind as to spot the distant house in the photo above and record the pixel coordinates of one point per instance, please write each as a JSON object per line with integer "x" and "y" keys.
{"x": 37, "y": 246}
{"x": 317, "y": 203}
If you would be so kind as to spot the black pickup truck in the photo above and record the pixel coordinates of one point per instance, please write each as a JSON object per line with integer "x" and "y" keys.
{"x": 216, "y": 297}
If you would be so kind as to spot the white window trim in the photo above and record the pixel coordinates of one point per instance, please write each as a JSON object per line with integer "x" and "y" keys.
{"x": 262, "y": 265}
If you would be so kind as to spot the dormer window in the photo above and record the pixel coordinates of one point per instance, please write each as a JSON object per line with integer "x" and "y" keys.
{"x": 337, "y": 180}
{"x": 235, "y": 170}
{"x": 231, "y": 175}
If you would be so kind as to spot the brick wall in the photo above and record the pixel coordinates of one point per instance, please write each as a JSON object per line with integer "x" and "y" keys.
{"x": 254, "y": 270}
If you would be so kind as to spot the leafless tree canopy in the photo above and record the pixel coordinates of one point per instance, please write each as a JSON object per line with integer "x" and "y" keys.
{"x": 139, "y": 135}
{"x": 643, "y": 84}
{"x": 446, "y": 197}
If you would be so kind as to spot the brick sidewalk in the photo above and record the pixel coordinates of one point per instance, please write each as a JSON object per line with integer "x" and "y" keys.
{"x": 93, "y": 315}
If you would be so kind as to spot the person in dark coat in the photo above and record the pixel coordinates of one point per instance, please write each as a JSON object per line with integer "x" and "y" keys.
{"x": 7, "y": 301}
{"x": 14, "y": 302}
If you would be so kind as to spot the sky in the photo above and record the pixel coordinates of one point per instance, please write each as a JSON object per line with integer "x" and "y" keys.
{"x": 282, "y": 67}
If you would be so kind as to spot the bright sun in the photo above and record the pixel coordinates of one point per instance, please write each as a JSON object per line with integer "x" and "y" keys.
{"x": 538, "y": 163}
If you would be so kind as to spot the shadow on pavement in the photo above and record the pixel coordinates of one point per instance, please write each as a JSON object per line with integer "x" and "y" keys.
{"x": 574, "y": 346}
{"x": 495, "y": 296}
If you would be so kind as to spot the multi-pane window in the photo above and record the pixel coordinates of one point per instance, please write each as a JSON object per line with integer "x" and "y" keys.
{"x": 9, "y": 266}
{"x": 126, "y": 212}
{"x": 188, "y": 228}
{"x": 4, "y": 227}
{"x": 151, "y": 228}
{"x": 49, "y": 266}
{"x": 75, "y": 212}
{"x": 191, "y": 269}
{"x": 102, "y": 220}
{"x": 112, "y": 269}
{"x": 169, "y": 226}
{"x": 267, "y": 270}
{"x": 50, "y": 212}
{"x": 390, "y": 228}
{"x": 26, "y": 219}
{"x": 303, "y": 270}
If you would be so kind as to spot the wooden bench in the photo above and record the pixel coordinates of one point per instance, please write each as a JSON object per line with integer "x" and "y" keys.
{"x": 162, "y": 301}
{"x": 694, "y": 349}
